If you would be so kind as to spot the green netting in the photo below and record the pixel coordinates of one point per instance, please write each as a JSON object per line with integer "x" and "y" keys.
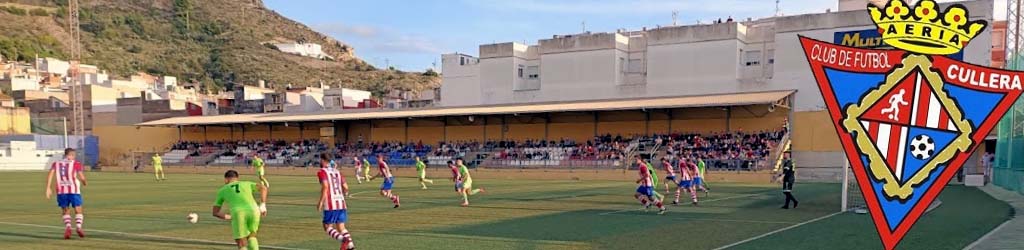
{"x": 1008, "y": 170}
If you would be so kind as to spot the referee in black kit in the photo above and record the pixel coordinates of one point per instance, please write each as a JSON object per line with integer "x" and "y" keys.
{"x": 788, "y": 176}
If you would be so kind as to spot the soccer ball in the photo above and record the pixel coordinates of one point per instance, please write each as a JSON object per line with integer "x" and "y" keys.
{"x": 193, "y": 218}
{"x": 922, "y": 147}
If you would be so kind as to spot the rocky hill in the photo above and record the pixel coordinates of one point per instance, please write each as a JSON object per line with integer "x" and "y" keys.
{"x": 214, "y": 42}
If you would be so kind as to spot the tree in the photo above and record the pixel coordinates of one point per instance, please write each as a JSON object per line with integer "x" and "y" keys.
{"x": 183, "y": 9}
{"x": 430, "y": 72}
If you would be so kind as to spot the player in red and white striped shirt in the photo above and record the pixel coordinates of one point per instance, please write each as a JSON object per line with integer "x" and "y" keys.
{"x": 645, "y": 191}
{"x": 359, "y": 169}
{"x": 456, "y": 177}
{"x": 687, "y": 172}
{"x": 333, "y": 190}
{"x": 70, "y": 179}
{"x": 384, "y": 171}
{"x": 670, "y": 173}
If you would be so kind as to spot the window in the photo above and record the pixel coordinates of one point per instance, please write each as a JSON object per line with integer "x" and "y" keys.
{"x": 533, "y": 72}
{"x": 771, "y": 56}
{"x": 520, "y": 71}
{"x": 752, "y": 58}
{"x": 635, "y": 66}
{"x": 462, "y": 60}
{"x": 622, "y": 65}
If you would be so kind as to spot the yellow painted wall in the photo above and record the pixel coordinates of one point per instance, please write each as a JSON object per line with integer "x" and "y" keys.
{"x": 813, "y": 131}
{"x": 312, "y": 130}
{"x": 257, "y": 132}
{"x": 388, "y": 134}
{"x": 15, "y": 121}
{"x": 494, "y": 132}
{"x": 658, "y": 127}
{"x": 117, "y": 142}
{"x": 580, "y": 132}
{"x": 521, "y": 132}
{"x": 388, "y": 130}
{"x": 289, "y": 133}
{"x": 624, "y": 128}
{"x": 192, "y": 133}
{"x": 466, "y": 133}
{"x": 218, "y": 133}
{"x": 427, "y": 135}
{"x": 698, "y": 125}
{"x": 358, "y": 129}
{"x": 757, "y": 124}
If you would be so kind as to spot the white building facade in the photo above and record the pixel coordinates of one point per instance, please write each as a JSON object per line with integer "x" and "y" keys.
{"x": 721, "y": 58}
{"x": 303, "y": 49}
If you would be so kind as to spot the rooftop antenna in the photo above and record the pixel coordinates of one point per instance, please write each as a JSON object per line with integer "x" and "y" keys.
{"x": 675, "y": 17}
{"x": 778, "y": 8}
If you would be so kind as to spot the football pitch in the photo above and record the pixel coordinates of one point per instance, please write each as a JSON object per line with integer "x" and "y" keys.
{"x": 132, "y": 211}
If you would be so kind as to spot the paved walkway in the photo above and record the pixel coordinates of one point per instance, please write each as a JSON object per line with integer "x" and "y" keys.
{"x": 1009, "y": 235}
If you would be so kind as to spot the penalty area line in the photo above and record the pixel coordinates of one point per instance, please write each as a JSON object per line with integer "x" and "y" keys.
{"x": 778, "y": 231}
{"x": 151, "y": 236}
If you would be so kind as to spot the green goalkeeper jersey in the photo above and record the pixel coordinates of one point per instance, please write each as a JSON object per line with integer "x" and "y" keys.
{"x": 464, "y": 171}
{"x": 700, "y": 168}
{"x": 654, "y": 173}
{"x": 420, "y": 166}
{"x": 238, "y": 195}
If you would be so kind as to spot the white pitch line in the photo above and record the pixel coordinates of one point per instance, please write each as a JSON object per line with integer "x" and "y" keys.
{"x": 731, "y": 220}
{"x": 152, "y": 236}
{"x": 985, "y": 237}
{"x": 719, "y": 199}
{"x": 777, "y": 231}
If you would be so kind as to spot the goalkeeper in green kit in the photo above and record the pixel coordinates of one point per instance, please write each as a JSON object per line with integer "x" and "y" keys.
{"x": 245, "y": 213}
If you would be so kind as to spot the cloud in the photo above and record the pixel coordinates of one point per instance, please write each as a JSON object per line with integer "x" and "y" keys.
{"x": 407, "y": 44}
{"x": 341, "y": 29}
{"x": 378, "y": 39}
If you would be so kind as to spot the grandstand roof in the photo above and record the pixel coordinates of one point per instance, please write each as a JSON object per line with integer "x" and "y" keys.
{"x": 715, "y": 100}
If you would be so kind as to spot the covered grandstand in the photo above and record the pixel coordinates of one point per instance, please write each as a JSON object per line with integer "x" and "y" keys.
{"x": 426, "y": 132}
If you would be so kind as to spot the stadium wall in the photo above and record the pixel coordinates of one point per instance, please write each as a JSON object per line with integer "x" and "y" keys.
{"x": 580, "y": 126}
{"x": 15, "y": 121}
{"x": 117, "y": 143}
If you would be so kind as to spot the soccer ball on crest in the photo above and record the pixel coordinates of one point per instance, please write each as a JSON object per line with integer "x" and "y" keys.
{"x": 922, "y": 147}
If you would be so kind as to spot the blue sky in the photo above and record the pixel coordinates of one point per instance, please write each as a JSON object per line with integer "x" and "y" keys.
{"x": 411, "y": 35}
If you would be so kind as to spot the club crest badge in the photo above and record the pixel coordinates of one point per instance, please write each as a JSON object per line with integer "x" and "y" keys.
{"x": 909, "y": 117}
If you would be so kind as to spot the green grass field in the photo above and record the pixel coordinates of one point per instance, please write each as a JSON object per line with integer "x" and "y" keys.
{"x": 132, "y": 211}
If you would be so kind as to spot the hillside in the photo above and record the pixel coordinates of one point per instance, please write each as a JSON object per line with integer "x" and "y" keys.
{"x": 215, "y": 42}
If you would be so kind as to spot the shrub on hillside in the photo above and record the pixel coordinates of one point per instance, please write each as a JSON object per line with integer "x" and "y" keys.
{"x": 15, "y": 10}
{"x": 38, "y": 12}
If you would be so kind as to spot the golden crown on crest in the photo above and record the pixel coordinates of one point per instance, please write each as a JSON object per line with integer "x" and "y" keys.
{"x": 923, "y": 29}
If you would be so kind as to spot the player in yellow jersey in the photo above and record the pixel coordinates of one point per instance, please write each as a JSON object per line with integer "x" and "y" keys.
{"x": 245, "y": 213}
{"x": 366, "y": 169}
{"x": 467, "y": 183}
{"x": 421, "y": 169}
{"x": 158, "y": 167}
{"x": 261, "y": 173}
